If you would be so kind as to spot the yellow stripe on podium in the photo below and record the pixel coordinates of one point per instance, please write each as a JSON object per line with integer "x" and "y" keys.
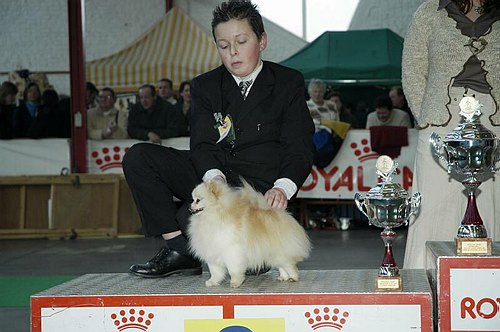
{"x": 235, "y": 325}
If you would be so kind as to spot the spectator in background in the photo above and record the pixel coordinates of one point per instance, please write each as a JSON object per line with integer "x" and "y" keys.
{"x": 43, "y": 125}
{"x": 153, "y": 119}
{"x": 27, "y": 113}
{"x": 399, "y": 101}
{"x": 166, "y": 90}
{"x": 91, "y": 93}
{"x": 184, "y": 104}
{"x": 386, "y": 115}
{"x": 318, "y": 106}
{"x": 344, "y": 114}
{"x": 105, "y": 121}
{"x": 8, "y": 93}
{"x": 361, "y": 113}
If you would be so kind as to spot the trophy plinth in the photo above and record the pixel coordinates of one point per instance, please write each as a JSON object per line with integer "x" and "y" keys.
{"x": 387, "y": 205}
{"x": 470, "y": 150}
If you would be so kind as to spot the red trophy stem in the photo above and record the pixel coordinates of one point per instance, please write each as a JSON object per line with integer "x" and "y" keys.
{"x": 387, "y": 237}
{"x": 472, "y": 216}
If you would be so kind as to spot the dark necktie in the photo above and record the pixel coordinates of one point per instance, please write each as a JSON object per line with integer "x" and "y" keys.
{"x": 244, "y": 85}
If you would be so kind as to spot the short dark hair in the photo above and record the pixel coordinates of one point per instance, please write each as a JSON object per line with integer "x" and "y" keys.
{"x": 113, "y": 94}
{"x": 89, "y": 86}
{"x": 334, "y": 93}
{"x": 149, "y": 86}
{"x": 7, "y": 88}
{"x": 383, "y": 101}
{"x": 239, "y": 10}
{"x": 170, "y": 83}
{"x": 30, "y": 85}
{"x": 399, "y": 90}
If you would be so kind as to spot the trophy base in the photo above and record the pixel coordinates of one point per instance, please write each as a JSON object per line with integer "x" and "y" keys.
{"x": 473, "y": 246}
{"x": 388, "y": 284}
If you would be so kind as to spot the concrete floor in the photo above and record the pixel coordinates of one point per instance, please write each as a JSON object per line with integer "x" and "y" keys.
{"x": 357, "y": 248}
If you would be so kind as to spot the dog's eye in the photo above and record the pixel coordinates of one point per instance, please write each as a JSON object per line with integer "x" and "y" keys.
{"x": 196, "y": 200}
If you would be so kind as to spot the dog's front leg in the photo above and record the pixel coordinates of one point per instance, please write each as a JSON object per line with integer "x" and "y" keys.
{"x": 237, "y": 274}
{"x": 217, "y": 274}
{"x": 289, "y": 273}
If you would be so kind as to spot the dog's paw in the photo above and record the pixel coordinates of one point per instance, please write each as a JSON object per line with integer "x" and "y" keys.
{"x": 236, "y": 282}
{"x": 280, "y": 278}
{"x": 211, "y": 283}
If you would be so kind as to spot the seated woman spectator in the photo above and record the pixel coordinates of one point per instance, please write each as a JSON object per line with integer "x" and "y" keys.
{"x": 184, "y": 103}
{"x": 318, "y": 106}
{"x": 27, "y": 112}
{"x": 8, "y": 92}
{"x": 105, "y": 121}
{"x": 345, "y": 114}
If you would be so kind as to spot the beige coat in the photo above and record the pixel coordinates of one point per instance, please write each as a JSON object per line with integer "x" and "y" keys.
{"x": 433, "y": 54}
{"x": 97, "y": 121}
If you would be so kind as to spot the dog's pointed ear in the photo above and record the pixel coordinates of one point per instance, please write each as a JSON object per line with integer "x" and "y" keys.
{"x": 215, "y": 188}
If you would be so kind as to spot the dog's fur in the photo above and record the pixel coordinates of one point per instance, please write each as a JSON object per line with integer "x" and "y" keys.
{"x": 234, "y": 229}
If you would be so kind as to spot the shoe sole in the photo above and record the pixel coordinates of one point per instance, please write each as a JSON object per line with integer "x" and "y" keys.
{"x": 185, "y": 272}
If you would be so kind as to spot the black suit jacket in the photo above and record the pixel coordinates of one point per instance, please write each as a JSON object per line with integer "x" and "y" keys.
{"x": 273, "y": 127}
{"x": 162, "y": 119}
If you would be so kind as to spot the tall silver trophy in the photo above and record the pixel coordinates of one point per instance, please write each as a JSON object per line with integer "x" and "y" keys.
{"x": 388, "y": 205}
{"x": 471, "y": 152}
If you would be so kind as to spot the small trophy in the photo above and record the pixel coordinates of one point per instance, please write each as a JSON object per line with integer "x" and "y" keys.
{"x": 387, "y": 205}
{"x": 471, "y": 151}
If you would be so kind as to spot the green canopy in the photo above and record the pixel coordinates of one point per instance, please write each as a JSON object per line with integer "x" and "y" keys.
{"x": 356, "y": 57}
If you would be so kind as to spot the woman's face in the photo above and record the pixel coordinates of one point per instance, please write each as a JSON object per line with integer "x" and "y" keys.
{"x": 10, "y": 99}
{"x": 186, "y": 93}
{"x": 33, "y": 94}
{"x": 317, "y": 94}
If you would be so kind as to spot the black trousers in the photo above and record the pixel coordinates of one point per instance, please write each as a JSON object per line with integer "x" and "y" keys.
{"x": 155, "y": 174}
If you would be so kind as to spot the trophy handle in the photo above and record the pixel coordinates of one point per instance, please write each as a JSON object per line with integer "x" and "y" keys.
{"x": 414, "y": 204}
{"x": 360, "y": 203}
{"x": 438, "y": 150}
{"x": 437, "y": 146}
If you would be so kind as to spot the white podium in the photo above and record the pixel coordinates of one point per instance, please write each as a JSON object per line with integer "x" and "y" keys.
{"x": 467, "y": 288}
{"x": 321, "y": 301}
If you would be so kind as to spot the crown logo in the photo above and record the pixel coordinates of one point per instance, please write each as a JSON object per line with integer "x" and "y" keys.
{"x": 326, "y": 318}
{"x": 132, "y": 319}
{"x": 363, "y": 151}
{"x": 108, "y": 158}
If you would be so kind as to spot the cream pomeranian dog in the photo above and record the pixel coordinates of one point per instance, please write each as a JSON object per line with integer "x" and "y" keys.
{"x": 234, "y": 229}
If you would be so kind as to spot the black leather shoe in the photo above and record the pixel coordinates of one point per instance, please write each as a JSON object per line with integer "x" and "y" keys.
{"x": 256, "y": 272}
{"x": 165, "y": 263}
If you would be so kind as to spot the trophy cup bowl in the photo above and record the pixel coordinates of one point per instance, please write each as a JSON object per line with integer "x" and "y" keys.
{"x": 470, "y": 151}
{"x": 387, "y": 206}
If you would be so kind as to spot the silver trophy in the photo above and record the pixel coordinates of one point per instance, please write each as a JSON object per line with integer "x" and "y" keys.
{"x": 471, "y": 152}
{"x": 388, "y": 205}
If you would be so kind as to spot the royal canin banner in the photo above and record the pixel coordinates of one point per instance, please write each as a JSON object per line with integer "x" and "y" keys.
{"x": 352, "y": 170}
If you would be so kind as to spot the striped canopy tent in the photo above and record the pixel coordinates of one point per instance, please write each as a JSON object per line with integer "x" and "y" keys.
{"x": 175, "y": 48}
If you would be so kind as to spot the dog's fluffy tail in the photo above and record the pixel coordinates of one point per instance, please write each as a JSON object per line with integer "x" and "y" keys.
{"x": 248, "y": 192}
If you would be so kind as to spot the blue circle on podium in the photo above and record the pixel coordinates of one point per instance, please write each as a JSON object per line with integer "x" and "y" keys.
{"x": 235, "y": 329}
